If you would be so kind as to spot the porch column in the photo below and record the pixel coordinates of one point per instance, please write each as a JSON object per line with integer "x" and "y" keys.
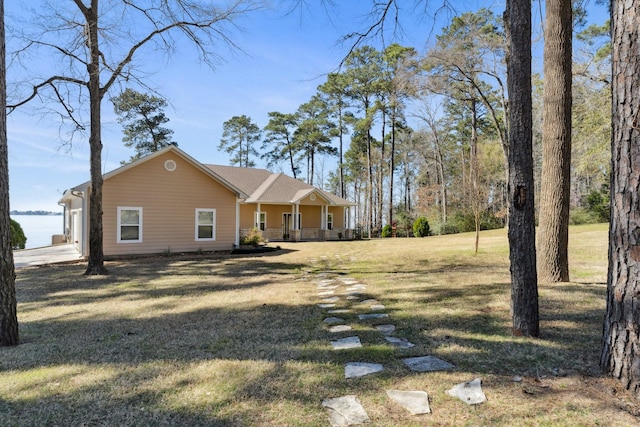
{"x": 256, "y": 217}
{"x": 236, "y": 238}
{"x": 296, "y": 233}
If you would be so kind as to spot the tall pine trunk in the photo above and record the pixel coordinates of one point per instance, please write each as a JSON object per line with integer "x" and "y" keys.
{"x": 553, "y": 237}
{"x": 96, "y": 254}
{"x": 392, "y": 165}
{"x": 620, "y": 356}
{"x": 522, "y": 256}
{"x": 8, "y": 302}
{"x": 474, "y": 173}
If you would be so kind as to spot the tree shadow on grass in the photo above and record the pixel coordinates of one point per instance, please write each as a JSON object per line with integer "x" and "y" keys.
{"x": 252, "y": 357}
{"x": 143, "y": 278}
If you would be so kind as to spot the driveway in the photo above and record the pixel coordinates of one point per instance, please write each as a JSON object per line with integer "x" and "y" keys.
{"x": 45, "y": 255}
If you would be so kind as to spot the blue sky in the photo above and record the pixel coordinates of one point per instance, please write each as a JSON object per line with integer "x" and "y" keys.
{"x": 284, "y": 59}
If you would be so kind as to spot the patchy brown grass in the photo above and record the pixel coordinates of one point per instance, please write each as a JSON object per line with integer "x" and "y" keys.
{"x": 239, "y": 340}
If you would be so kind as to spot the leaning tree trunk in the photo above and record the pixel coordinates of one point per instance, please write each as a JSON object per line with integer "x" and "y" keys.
{"x": 8, "y": 303}
{"x": 620, "y": 355}
{"x": 96, "y": 254}
{"x": 553, "y": 237}
{"x": 524, "y": 285}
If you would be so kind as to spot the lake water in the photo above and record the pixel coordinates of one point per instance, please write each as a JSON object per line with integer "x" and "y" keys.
{"x": 39, "y": 228}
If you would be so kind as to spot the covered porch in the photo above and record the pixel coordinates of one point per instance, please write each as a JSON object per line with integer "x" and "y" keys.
{"x": 310, "y": 219}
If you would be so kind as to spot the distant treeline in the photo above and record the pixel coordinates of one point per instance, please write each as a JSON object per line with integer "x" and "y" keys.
{"x": 34, "y": 213}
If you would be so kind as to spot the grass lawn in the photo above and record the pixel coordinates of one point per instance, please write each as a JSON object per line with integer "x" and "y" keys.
{"x": 239, "y": 340}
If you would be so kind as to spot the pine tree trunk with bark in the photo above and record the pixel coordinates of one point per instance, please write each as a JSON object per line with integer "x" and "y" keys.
{"x": 620, "y": 356}
{"x": 522, "y": 256}
{"x": 8, "y": 302}
{"x": 95, "y": 266}
{"x": 553, "y": 237}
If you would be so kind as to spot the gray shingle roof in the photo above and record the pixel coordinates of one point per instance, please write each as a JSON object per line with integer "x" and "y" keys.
{"x": 264, "y": 186}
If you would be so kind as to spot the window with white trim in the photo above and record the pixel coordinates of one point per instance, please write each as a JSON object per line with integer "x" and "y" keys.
{"x": 330, "y": 221}
{"x": 205, "y": 224}
{"x": 129, "y": 225}
{"x": 261, "y": 220}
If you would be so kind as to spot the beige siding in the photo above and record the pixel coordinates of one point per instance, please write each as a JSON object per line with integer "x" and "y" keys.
{"x": 169, "y": 201}
{"x": 338, "y": 216}
{"x": 274, "y": 215}
{"x": 246, "y": 216}
{"x": 311, "y": 216}
{"x": 317, "y": 202}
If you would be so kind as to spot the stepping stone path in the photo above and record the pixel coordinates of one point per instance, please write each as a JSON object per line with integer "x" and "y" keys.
{"x": 339, "y": 328}
{"x": 416, "y": 402}
{"x": 346, "y": 343}
{"x": 339, "y": 295}
{"x": 469, "y": 392}
{"x": 360, "y": 369}
{"x": 400, "y": 342}
{"x": 345, "y": 411}
{"x": 427, "y": 364}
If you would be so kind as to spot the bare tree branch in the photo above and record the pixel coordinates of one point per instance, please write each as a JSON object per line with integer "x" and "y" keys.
{"x": 36, "y": 89}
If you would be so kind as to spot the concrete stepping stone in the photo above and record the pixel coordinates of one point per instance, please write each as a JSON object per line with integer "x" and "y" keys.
{"x": 345, "y": 411}
{"x": 326, "y": 293}
{"x": 348, "y": 281}
{"x": 331, "y": 299}
{"x": 339, "y": 328}
{"x": 327, "y": 287}
{"x": 377, "y": 307}
{"x": 370, "y": 316}
{"x": 400, "y": 342}
{"x": 360, "y": 369}
{"x": 369, "y": 301}
{"x": 326, "y": 305}
{"x": 353, "y": 297}
{"x": 470, "y": 392}
{"x": 339, "y": 311}
{"x": 346, "y": 343}
{"x": 333, "y": 320}
{"x": 386, "y": 329}
{"x": 427, "y": 364}
{"x": 416, "y": 402}
{"x": 356, "y": 288}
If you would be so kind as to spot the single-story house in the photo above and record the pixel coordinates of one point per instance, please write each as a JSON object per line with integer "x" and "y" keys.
{"x": 170, "y": 202}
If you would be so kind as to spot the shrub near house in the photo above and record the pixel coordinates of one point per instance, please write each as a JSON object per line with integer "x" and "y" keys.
{"x": 18, "y": 239}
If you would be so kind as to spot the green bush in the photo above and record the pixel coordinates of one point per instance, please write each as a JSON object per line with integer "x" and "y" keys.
{"x": 386, "y": 231}
{"x": 463, "y": 222}
{"x": 18, "y": 239}
{"x": 421, "y": 227}
{"x": 449, "y": 227}
{"x": 254, "y": 238}
{"x": 597, "y": 204}
{"x": 579, "y": 216}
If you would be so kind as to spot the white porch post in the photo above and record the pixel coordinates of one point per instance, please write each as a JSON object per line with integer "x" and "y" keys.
{"x": 256, "y": 219}
{"x": 237, "y": 236}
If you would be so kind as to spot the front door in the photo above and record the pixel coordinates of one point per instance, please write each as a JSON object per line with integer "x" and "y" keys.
{"x": 286, "y": 225}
